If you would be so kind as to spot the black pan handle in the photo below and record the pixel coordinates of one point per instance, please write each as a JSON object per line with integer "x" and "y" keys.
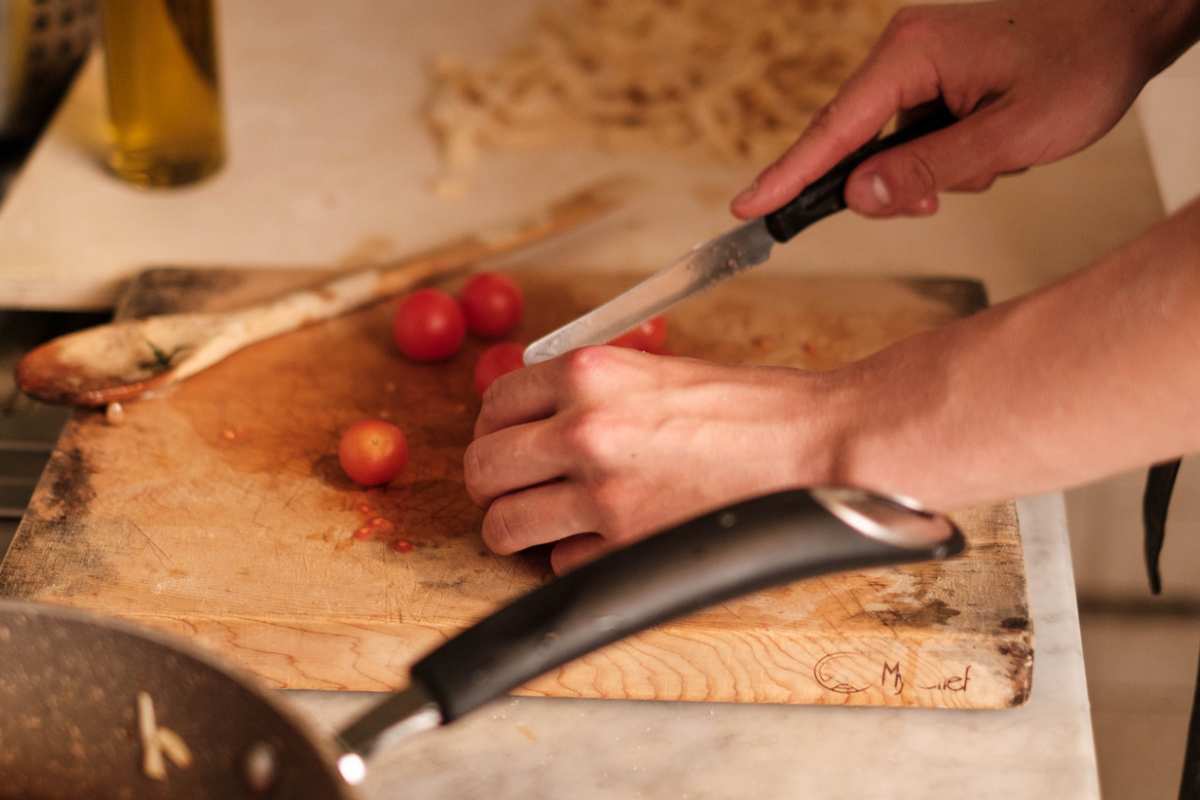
{"x": 827, "y": 194}
{"x": 767, "y": 541}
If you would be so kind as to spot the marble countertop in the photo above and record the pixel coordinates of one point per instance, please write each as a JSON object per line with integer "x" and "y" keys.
{"x": 533, "y": 748}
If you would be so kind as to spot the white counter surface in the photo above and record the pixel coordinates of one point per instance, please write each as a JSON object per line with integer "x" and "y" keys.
{"x": 329, "y": 164}
{"x": 547, "y": 749}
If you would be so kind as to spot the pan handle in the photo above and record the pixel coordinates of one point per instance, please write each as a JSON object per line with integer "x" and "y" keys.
{"x": 767, "y": 541}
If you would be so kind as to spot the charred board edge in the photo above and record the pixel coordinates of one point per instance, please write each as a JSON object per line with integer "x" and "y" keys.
{"x": 50, "y": 529}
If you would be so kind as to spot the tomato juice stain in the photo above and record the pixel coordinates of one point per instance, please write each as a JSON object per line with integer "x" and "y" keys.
{"x": 288, "y": 399}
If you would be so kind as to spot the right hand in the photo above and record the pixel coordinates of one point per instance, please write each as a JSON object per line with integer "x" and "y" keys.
{"x": 1031, "y": 81}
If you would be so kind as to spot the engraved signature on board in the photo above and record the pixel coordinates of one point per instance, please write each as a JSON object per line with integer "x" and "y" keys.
{"x": 842, "y": 672}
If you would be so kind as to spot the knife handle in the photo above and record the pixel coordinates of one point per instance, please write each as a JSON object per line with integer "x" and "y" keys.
{"x": 767, "y": 541}
{"x": 827, "y": 194}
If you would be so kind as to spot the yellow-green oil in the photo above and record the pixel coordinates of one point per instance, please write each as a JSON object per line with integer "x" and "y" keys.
{"x": 164, "y": 95}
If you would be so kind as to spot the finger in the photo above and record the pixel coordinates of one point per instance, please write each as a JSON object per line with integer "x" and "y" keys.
{"x": 522, "y": 396}
{"x": 514, "y": 458}
{"x": 984, "y": 182}
{"x": 896, "y": 76}
{"x": 536, "y": 516}
{"x": 980, "y": 183}
{"x": 906, "y": 179}
{"x": 587, "y": 373}
{"x": 576, "y": 551}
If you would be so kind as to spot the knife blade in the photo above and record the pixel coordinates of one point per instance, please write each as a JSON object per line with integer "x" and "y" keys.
{"x": 740, "y": 249}
{"x": 729, "y": 254}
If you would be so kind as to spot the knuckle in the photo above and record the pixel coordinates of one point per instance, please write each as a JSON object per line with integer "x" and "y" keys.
{"x": 498, "y": 529}
{"x": 829, "y": 125}
{"x": 826, "y": 116}
{"x": 582, "y": 367}
{"x": 490, "y": 394}
{"x": 611, "y": 501}
{"x": 483, "y": 421}
{"x": 586, "y": 434}
{"x": 473, "y": 471}
{"x": 914, "y": 173}
{"x": 606, "y": 498}
{"x": 909, "y": 24}
{"x": 559, "y": 563}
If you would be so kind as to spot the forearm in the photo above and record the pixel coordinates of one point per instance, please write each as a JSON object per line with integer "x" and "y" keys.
{"x": 1092, "y": 375}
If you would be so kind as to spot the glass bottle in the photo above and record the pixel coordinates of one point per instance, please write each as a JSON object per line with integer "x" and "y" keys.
{"x": 164, "y": 98}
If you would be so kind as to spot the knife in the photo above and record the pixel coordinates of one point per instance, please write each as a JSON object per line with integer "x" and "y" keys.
{"x": 730, "y": 254}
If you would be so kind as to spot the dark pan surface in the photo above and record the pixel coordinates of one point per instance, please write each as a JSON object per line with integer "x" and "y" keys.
{"x": 68, "y": 716}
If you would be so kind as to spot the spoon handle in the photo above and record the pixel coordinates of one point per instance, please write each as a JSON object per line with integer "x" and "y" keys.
{"x": 360, "y": 287}
{"x": 357, "y": 288}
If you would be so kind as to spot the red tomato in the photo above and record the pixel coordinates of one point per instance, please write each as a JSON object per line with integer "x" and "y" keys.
{"x": 372, "y": 452}
{"x": 499, "y": 359}
{"x": 428, "y": 325}
{"x": 650, "y": 336}
{"x": 492, "y": 304}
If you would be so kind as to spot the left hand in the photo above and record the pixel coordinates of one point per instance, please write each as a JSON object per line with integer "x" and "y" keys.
{"x": 605, "y": 445}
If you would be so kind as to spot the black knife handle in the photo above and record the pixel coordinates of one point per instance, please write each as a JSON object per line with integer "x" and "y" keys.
{"x": 827, "y": 194}
{"x": 767, "y": 541}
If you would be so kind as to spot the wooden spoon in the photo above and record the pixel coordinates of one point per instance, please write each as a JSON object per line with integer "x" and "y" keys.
{"x": 122, "y": 360}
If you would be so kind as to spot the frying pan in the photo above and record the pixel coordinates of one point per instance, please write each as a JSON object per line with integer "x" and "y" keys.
{"x": 69, "y": 681}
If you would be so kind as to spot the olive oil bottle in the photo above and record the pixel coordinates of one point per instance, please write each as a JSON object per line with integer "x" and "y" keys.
{"x": 164, "y": 98}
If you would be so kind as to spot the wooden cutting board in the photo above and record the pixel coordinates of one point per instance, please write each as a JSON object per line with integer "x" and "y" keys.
{"x": 219, "y": 512}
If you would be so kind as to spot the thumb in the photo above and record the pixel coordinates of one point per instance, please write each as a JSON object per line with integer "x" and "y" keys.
{"x": 899, "y": 73}
{"x": 906, "y": 179}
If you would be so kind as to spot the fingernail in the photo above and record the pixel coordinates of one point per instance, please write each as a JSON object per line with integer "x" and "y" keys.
{"x": 880, "y": 190}
{"x": 746, "y": 194}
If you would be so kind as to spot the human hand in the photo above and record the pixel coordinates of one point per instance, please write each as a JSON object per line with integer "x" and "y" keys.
{"x": 1031, "y": 82}
{"x": 604, "y": 445}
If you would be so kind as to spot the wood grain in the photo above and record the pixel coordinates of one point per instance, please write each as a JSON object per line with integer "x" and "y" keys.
{"x": 218, "y": 511}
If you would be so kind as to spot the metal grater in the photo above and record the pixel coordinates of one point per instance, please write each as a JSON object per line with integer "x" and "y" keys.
{"x": 42, "y": 42}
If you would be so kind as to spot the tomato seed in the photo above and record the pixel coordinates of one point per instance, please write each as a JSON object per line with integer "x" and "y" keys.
{"x": 364, "y": 533}
{"x": 229, "y": 433}
{"x": 402, "y": 546}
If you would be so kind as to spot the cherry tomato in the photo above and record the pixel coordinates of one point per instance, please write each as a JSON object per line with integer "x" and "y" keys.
{"x": 497, "y": 360}
{"x": 492, "y": 304}
{"x": 372, "y": 452}
{"x": 428, "y": 325}
{"x": 650, "y": 336}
